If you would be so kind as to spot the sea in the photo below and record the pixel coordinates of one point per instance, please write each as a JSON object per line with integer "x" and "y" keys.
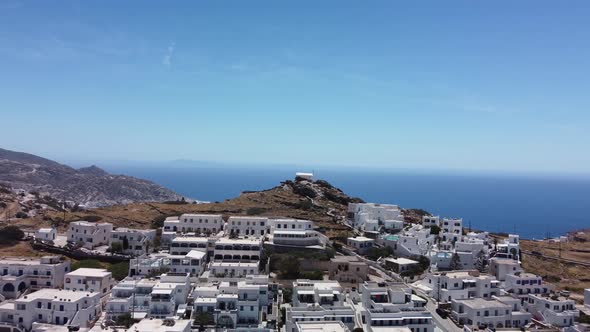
{"x": 534, "y": 207}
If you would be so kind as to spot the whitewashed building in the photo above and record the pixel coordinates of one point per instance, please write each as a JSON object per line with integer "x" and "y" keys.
{"x": 89, "y": 280}
{"x": 521, "y": 284}
{"x": 460, "y": 285}
{"x": 501, "y": 267}
{"x": 490, "y": 313}
{"x": 193, "y": 263}
{"x": 554, "y": 310}
{"x": 161, "y": 325}
{"x": 509, "y": 248}
{"x": 233, "y": 269}
{"x": 208, "y": 224}
{"x": 320, "y": 301}
{"x": 248, "y": 226}
{"x": 46, "y": 234}
{"x": 149, "y": 297}
{"x": 370, "y": 217}
{"x": 238, "y": 250}
{"x": 360, "y": 244}
{"x": 19, "y": 274}
{"x": 53, "y": 306}
{"x": 130, "y": 295}
{"x": 391, "y": 306}
{"x": 429, "y": 221}
{"x": 295, "y": 233}
{"x": 139, "y": 241}
{"x": 183, "y": 244}
{"x": 234, "y": 304}
{"x": 89, "y": 234}
{"x": 451, "y": 230}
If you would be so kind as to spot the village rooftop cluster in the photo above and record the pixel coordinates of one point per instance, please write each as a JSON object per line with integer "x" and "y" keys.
{"x": 206, "y": 272}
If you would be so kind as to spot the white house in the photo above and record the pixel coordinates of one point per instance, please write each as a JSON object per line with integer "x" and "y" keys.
{"x": 521, "y": 284}
{"x": 159, "y": 325}
{"x": 138, "y": 241}
{"x": 370, "y": 217}
{"x": 391, "y": 306}
{"x": 509, "y": 248}
{"x": 460, "y": 285}
{"x": 60, "y": 307}
{"x": 233, "y": 269}
{"x": 248, "y": 226}
{"x": 46, "y": 234}
{"x": 400, "y": 265}
{"x": 89, "y": 280}
{"x": 429, "y": 221}
{"x": 130, "y": 295}
{"x": 183, "y": 244}
{"x": 491, "y": 313}
{"x": 501, "y": 267}
{"x": 168, "y": 294}
{"x": 360, "y": 244}
{"x": 18, "y": 274}
{"x": 320, "y": 301}
{"x": 198, "y": 223}
{"x": 234, "y": 303}
{"x": 554, "y": 310}
{"x": 295, "y": 232}
{"x": 193, "y": 262}
{"x": 238, "y": 250}
{"x": 89, "y": 234}
{"x": 451, "y": 229}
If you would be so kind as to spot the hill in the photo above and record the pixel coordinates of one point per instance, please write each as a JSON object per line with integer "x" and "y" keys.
{"x": 317, "y": 200}
{"x": 90, "y": 186}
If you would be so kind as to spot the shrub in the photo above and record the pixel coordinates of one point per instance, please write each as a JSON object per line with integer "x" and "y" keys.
{"x": 21, "y": 215}
{"x": 87, "y": 263}
{"x": 289, "y": 268}
{"x": 11, "y": 234}
{"x": 93, "y": 218}
{"x": 119, "y": 270}
{"x": 434, "y": 230}
{"x": 116, "y": 247}
{"x": 253, "y": 211}
{"x": 312, "y": 275}
{"x": 124, "y": 320}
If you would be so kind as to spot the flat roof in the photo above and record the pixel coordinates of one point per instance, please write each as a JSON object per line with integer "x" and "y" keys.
{"x": 191, "y": 239}
{"x": 326, "y": 326}
{"x": 56, "y": 294}
{"x": 361, "y": 238}
{"x": 184, "y": 215}
{"x": 480, "y": 303}
{"x": 195, "y": 254}
{"x": 401, "y": 261}
{"x": 89, "y": 272}
{"x": 157, "y": 325}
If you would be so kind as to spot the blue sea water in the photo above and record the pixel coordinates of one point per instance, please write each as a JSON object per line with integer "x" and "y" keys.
{"x": 533, "y": 207}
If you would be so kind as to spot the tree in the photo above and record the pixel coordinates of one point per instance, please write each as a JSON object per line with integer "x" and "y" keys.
{"x": 125, "y": 243}
{"x": 124, "y": 320}
{"x": 434, "y": 230}
{"x": 116, "y": 248}
{"x": 119, "y": 270}
{"x": 202, "y": 319}
{"x": 289, "y": 268}
{"x": 455, "y": 262}
{"x": 232, "y": 234}
{"x": 480, "y": 261}
{"x": 11, "y": 234}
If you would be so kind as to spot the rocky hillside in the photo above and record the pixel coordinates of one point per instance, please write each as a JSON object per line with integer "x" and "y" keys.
{"x": 318, "y": 201}
{"x": 90, "y": 186}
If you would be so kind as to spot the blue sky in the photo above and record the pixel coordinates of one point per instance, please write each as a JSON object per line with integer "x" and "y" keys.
{"x": 501, "y": 85}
